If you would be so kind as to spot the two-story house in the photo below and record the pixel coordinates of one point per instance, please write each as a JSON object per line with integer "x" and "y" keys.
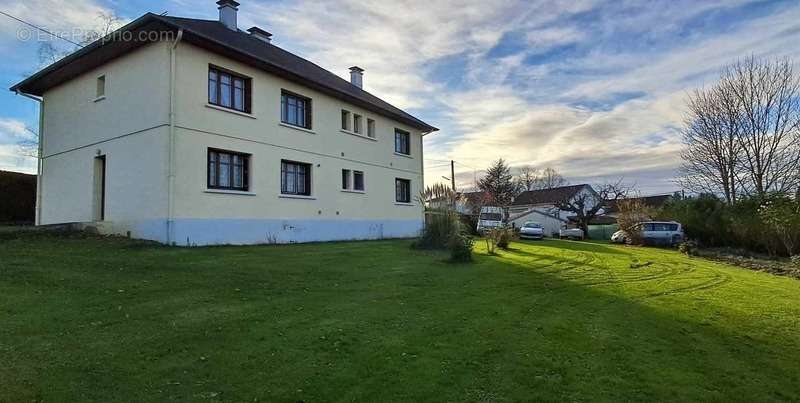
{"x": 547, "y": 200}
{"x": 193, "y": 132}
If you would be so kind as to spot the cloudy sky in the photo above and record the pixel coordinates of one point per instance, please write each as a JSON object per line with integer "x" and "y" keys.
{"x": 594, "y": 89}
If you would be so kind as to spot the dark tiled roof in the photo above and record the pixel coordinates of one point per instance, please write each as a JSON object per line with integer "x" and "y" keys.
{"x": 548, "y": 196}
{"x": 477, "y": 199}
{"x": 213, "y": 35}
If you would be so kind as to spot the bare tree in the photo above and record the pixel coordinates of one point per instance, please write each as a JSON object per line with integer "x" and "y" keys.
{"x": 742, "y": 135}
{"x": 768, "y": 96}
{"x": 527, "y": 177}
{"x": 633, "y": 211}
{"x": 107, "y": 23}
{"x": 587, "y": 204}
{"x": 711, "y": 153}
{"x": 549, "y": 179}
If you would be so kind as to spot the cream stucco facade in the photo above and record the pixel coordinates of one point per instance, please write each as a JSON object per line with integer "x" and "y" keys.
{"x": 156, "y": 161}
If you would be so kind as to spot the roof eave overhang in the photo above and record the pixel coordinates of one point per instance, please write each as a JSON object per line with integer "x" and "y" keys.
{"x": 105, "y": 49}
{"x": 91, "y": 56}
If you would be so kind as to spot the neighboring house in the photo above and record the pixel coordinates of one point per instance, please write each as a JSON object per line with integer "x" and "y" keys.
{"x": 547, "y": 200}
{"x": 473, "y": 201}
{"x": 551, "y": 224}
{"x": 190, "y": 131}
{"x": 468, "y": 203}
{"x": 17, "y": 197}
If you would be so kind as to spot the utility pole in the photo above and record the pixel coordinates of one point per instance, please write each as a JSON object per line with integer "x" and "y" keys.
{"x": 453, "y": 174}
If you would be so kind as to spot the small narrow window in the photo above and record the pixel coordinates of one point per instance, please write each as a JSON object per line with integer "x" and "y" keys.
{"x": 295, "y": 178}
{"x": 370, "y": 128}
{"x": 295, "y": 110}
{"x": 358, "y": 180}
{"x": 402, "y": 142}
{"x": 357, "y": 123}
{"x": 101, "y": 86}
{"x": 345, "y": 120}
{"x": 227, "y": 170}
{"x": 402, "y": 190}
{"x": 345, "y": 179}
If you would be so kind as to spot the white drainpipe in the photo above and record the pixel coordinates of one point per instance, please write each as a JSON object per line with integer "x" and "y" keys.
{"x": 39, "y": 157}
{"x": 171, "y": 176}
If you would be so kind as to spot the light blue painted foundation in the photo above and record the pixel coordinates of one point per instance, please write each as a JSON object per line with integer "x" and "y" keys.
{"x": 196, "y": 232}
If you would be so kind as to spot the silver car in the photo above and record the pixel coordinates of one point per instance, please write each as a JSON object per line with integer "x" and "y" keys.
{"x": 531, "y": 230}
{"x": 654, "y": 233}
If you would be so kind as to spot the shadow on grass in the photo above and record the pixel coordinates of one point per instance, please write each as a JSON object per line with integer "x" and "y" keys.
{"x": 581, "y": 246}
{"x": 364, "y": 322}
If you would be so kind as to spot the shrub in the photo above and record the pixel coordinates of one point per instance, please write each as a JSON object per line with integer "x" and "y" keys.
{"x": 498, "y": 237}
{"x": 631, "y": 213}
{"x": 768, "y": 225}
{"x": 504, "y": 237}
{"x": 688, "y": 248}
{"x": 440, "y": 227}
{"x": 460, "y": 246}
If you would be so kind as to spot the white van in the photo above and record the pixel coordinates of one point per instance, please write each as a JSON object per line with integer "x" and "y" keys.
{"x": 491, "y": 217}
{"x": 655, "y": 233}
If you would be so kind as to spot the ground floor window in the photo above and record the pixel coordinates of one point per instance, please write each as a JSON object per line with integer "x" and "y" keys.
{"x": 352, "y": 180}
{"x": 295, "y": 178}
{"x": 402, "y": 190}
{"x": 358, "y": 180}
{"x": 228, "y": 170}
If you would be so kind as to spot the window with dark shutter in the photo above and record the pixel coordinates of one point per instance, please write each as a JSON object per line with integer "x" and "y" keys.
{"x": 402, "y": 189}
{"x": 345, "y": 179}
{"x": 228, "y": 170}
{"x": 295, "y": 110}
{"x": 228, "y": 90}
{"x": 295, "y": 178}
{"x": 358, "y": 180}
{"x": 402, "y": 142}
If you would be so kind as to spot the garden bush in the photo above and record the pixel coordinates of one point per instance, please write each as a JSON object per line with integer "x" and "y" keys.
{"x": 768, "y": 225}
{"x": 440, "y": 227}
{"x": 460, "y": 246}
{"x": 688, "y": 248}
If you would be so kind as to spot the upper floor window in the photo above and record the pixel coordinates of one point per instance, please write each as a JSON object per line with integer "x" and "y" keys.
{"x": 227, "y": 170}
{"x": 402, "y": 142}
{"x": 370, "y": 128}
{"x": 228, "y": 90}
{"x": 101, "y": 86}
{"x": 345, "y": 120}
{"x": 295, "y": 110}
{"x": 295, "y": 178}
{"x": 402, "y": 190}
{"x": 357, "y": 123}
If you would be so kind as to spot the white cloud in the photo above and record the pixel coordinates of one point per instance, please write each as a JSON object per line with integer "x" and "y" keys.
{"x": 13, "y": 131}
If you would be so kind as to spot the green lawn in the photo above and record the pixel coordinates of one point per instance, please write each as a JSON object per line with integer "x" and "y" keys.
{"x": 115, "y": 320}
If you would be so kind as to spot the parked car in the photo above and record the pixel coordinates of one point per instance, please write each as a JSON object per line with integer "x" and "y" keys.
{"x": 490, "y": 218}
{"x": 531, "y": 230}
{"x": 654, "y": 233}
{"x": 575, "y": 234}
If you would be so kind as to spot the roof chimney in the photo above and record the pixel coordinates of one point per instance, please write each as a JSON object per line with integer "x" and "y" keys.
{"x": 260, "y": 34}
{"x": 357, "y": 76}
{"x": 227, "y": 13}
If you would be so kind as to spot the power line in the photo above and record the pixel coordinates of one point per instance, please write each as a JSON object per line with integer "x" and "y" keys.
{"x": 39, "y": 28}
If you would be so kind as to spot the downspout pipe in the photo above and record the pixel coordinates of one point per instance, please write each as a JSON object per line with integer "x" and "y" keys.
{"x": 39, "y": 158}
{"x": 171, "y": 175}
